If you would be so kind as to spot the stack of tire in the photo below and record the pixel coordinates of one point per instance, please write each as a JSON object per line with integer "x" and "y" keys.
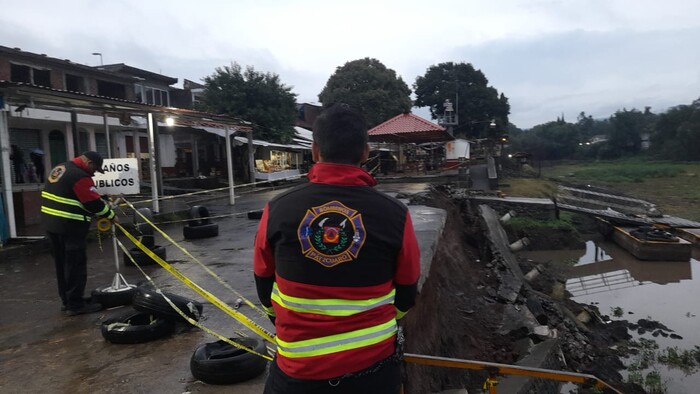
{"x": 152, "y": 317}
{"x": 111, "y": 297}
{"x": 199, "y": 226}
{"x": 145, "y": 234}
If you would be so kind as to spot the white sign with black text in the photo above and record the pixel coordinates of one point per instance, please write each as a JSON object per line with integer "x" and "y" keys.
{"x": 121, "y": 176}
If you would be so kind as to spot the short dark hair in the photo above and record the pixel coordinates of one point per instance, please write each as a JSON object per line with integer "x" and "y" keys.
{"x": 341, "y": 134}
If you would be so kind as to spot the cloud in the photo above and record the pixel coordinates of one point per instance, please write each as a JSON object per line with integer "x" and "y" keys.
{"x": 547, "y": 56}
{"x": 595, "y": 72}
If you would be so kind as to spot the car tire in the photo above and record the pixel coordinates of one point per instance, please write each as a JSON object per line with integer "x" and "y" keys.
{"x": 136, "y": 327}
{"x": 142, "y": 258}
{"x": 199, "y": 215}
{"x": 200, "y": 231}
{"x": 222, "y": 363}
{"x": 110, "y": 298}
{"x": 149, "y": 301}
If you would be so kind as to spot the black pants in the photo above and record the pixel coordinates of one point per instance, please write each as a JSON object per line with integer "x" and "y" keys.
{"x": 70, "y": 258}
{"x": 386, "y": 380}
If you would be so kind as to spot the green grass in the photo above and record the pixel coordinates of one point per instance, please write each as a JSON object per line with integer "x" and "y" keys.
{"x": 524, "y": 223}
{"x": 673, "y": 186}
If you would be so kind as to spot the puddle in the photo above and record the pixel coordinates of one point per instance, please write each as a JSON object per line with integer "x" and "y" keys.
{"x": 666, "y": 291}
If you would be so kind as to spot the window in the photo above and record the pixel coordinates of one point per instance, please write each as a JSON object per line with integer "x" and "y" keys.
{"x": 101, "y": 144}
{"x": 75, "y": 83}
{"x": 111, "y": 89}
{"x": 83, "y": 140}
{"x": 42, "y": 77}
{"x": 26, "y": 74}
{"x": 19, "y": 73}
{"x": 139, "y": 93}
{"x": 157, "y": 97}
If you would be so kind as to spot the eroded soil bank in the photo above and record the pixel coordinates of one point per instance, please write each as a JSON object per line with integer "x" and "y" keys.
{"x": 460, "y": 313}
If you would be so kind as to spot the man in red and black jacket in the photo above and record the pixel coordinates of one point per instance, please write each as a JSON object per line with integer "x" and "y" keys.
{"x": 69, "y": 201}
{"x": 336, "y": 265}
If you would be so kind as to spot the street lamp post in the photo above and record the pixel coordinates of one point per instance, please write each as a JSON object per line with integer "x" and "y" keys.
{"x": 100, "y": 55}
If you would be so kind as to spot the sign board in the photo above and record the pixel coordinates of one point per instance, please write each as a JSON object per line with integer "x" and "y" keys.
{"x": 121, "y": 177}
{"x": 457, "y": 149}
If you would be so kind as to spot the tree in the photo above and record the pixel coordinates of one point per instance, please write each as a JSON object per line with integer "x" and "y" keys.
{"x": 368, "y": 86}
{"x": 549, "y": 141}
{"x": 477, "y": 103}
{"x": 254, "y": 96}
{"x": 677, "y": 133}
{"x": 627, "y": 127}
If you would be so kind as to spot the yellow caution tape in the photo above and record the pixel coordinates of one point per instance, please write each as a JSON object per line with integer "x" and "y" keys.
{"x": 490, "y": 383}
{"x": 163, "y": 198}
{"x": 185, "y": 316}
{"x": 188, "y": 254}
{"x": 208, "y": 296}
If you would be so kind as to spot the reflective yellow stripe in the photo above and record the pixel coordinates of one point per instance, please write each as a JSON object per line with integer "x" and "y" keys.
{"x": 330, "y": 306}
{"x": 111, "y": 215}
{"x": 63, "y": 214}
{"x": 400, "y": 313}
{"x": 62, "y": 200}
{"x": 270, "y": 310}
{"x": 103, "y": 211}
{"x": 338, "y": 342}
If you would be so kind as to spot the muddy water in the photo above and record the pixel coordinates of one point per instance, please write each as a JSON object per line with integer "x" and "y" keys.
{"x": 669, "y": 292}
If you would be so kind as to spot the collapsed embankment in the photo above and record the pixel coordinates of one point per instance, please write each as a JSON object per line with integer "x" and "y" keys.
{"x": 476, "y": 305}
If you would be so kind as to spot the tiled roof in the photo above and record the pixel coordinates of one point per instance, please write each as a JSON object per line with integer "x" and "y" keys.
{"x": 410, "y": 128}
{"x": 405, "y": 123}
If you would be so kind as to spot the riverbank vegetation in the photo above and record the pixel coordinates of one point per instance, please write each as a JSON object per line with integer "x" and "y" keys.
{"x": 673, "y": 186}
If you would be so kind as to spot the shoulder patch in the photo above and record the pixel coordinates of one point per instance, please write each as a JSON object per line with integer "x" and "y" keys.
{"x": 57, "y": 173}
{"x": 331, "y": 234}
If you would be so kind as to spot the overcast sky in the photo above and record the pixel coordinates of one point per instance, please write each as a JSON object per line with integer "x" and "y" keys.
{"x": 548, "y": 57}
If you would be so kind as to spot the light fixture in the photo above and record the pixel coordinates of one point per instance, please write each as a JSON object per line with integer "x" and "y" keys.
{"x": 100, "y": 55}
{"x": 493, "y": 123}
{"x": 169, "y": 121}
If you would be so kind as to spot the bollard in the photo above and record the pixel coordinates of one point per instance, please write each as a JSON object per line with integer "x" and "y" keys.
{"x": 509, "y": 215}
{"x": 519, "y": 244}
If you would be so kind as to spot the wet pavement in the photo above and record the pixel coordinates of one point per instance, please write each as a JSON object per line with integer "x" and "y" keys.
{"x": 43, "y": 350}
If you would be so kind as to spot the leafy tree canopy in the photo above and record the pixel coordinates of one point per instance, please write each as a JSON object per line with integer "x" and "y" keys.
{"x": 477, "y": 103}
{"x": 368, "y": 86}
{"x": 677, "y": 133}
{"x": 254, "y": 96}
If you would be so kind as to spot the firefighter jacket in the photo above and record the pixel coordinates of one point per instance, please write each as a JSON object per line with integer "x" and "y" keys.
{"x": 336, "y": 263}
{"x": 69, "y": 199}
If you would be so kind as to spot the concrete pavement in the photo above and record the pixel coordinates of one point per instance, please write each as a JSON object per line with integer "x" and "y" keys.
{"x": 43, "y": 350}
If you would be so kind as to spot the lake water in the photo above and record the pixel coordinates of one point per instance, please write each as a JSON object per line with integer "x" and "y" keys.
{"x": 609, "y": 277}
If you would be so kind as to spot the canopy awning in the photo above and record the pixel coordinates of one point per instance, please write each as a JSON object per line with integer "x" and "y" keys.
{"x": 34, "y": 96}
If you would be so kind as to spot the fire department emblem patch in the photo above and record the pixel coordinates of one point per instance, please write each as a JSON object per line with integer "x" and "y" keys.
{"x": 331, "y": 234}
{"x": 57, "y": 173}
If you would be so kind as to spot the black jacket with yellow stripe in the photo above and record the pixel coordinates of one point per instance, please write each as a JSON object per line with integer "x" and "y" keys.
{"x": 70, "y": 199}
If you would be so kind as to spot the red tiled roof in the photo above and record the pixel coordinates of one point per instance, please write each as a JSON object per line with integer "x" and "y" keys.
{"x": 409, "y": 128}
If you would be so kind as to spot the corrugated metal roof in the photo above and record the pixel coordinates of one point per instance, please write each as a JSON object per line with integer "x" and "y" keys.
{"x": 17, "y": 93}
